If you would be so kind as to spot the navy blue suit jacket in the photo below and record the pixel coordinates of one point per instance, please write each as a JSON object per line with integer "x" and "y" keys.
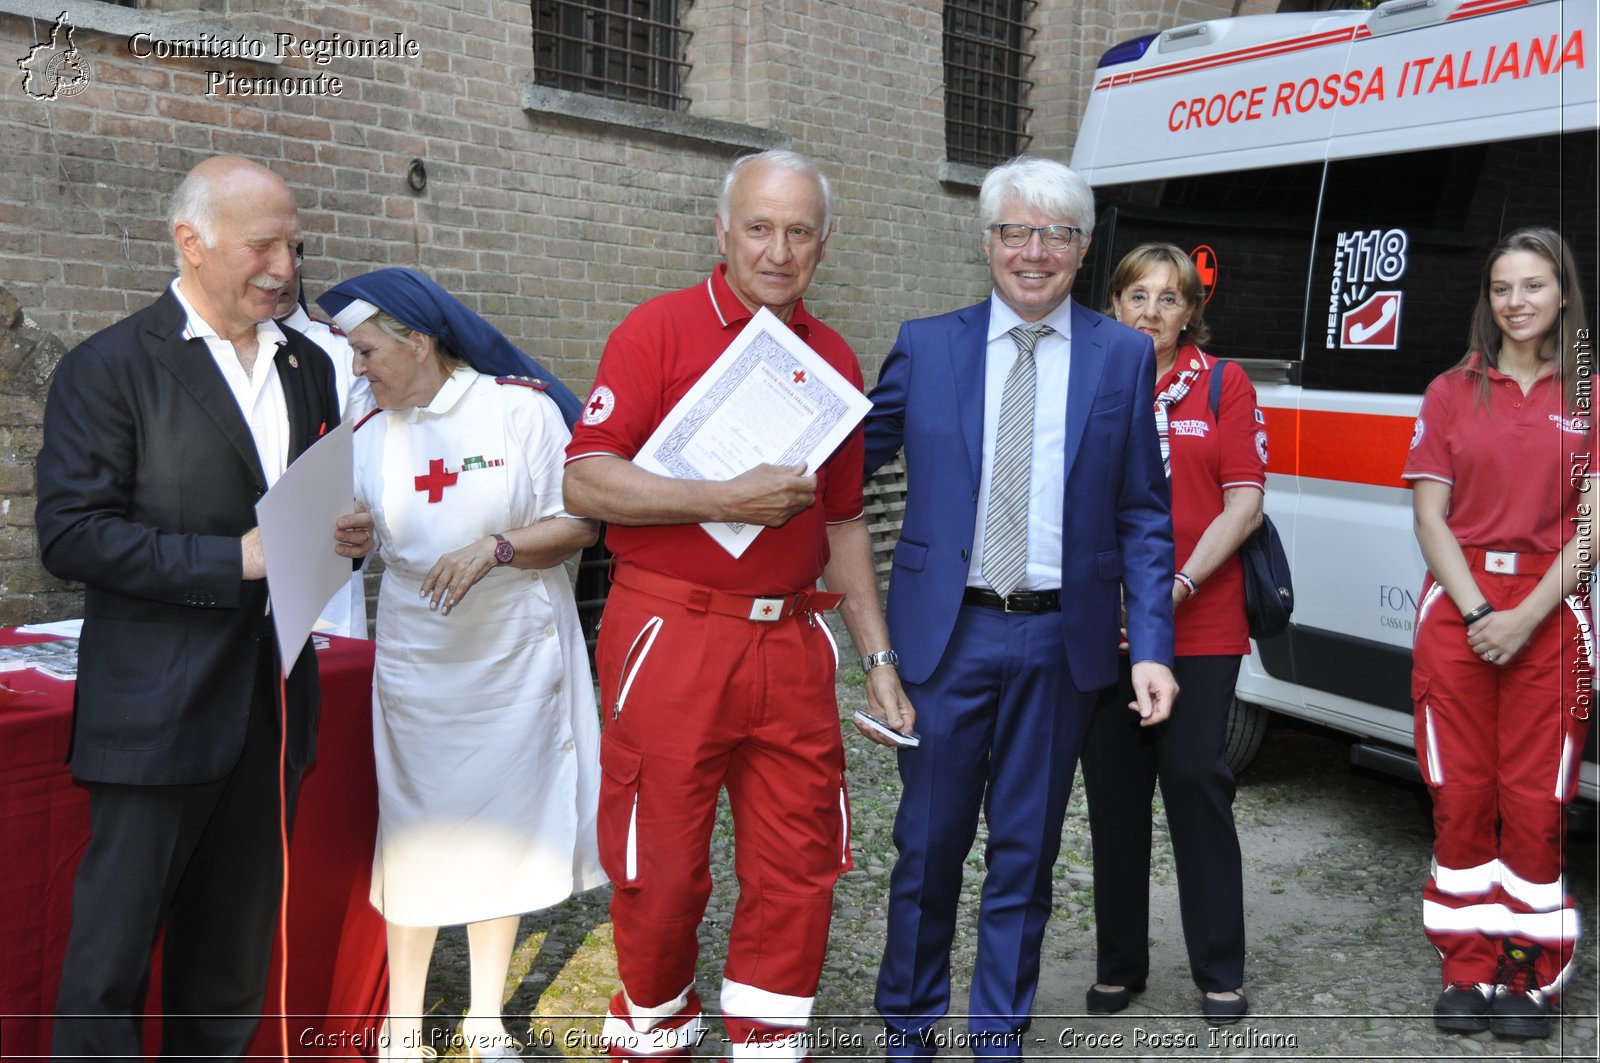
{"x": 1116, "y": 526}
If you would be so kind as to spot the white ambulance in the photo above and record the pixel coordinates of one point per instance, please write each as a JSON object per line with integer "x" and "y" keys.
{"x": 1338, "y": 178}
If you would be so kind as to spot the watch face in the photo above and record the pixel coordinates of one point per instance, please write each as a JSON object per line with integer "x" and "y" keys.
{"x": 504, "y": 552}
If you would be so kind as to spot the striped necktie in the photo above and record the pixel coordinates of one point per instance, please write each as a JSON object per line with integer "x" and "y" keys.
{"x": 1005, "y": 528}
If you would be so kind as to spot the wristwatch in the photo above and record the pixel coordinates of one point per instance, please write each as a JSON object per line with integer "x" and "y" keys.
{"x": 872, "y": 660}
{"x": 503, "y": 550}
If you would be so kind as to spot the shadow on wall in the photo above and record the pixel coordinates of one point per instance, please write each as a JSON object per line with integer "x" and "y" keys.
{"x": 28, "y": 357}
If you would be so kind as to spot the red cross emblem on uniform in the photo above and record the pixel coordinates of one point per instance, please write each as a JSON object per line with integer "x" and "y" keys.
{"x": 766, "y": 610}
{"x": 1499, "y": 562}
{"x": 596, "y": 404}
{"x": 799, "y": 376}
{"x": 436, "y": 481}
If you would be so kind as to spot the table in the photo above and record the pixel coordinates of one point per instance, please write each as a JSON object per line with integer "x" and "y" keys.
{"x": 337, "y": 981}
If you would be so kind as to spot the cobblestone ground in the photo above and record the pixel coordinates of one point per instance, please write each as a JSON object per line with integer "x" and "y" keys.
{"x": 1337, "y": 968}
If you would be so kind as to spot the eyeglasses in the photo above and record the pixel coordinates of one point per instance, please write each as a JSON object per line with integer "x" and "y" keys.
{"x": 299, "y": 254}
{"x": 1055, "y": 237}
{"x": 1166, "y": 302}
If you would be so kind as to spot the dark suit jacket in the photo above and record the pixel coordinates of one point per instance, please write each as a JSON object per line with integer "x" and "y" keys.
{"x": 147, "y": 478}
{"x": 1116, "y": 526}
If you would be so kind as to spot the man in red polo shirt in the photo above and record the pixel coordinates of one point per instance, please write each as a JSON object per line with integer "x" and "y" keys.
{"x": 717, "y": 671}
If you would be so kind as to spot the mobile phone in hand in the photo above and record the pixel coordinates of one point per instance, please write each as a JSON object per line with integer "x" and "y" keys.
{"x": 903, "y": 739}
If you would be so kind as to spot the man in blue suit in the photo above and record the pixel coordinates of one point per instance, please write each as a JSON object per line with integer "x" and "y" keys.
{"x": 1035, "y": 494}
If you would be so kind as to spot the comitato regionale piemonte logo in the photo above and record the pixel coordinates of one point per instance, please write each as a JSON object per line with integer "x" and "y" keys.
{"x": 55, "y": 68}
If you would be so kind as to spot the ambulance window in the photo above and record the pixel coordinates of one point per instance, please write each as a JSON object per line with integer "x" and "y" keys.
{"x": 1257, "y": 225}
{"x": 1401, "y": 245}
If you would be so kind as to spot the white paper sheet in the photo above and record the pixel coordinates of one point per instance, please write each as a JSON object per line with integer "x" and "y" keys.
{"x": 768, "y": 399}
{"x": 296, "y": 519}
{"x": 65, "y": 629}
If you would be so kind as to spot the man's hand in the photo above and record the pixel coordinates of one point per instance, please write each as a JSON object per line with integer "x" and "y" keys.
{"x": 1154, "y": 691}
{"x": 255, "y": 563}
{"x": 353, "y": 533}
{"x": 769, "y": 495}
{"x": 888, "y": 702}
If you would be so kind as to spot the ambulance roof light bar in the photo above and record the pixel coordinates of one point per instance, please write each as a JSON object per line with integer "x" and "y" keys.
{"x": 1401, "y": 7}
{"x": 1177, "y": 40}
{"x": 1396, "y": 15}
{"x": 1127, "y": 51}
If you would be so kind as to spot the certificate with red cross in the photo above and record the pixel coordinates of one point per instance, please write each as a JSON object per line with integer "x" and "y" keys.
{"x": 768, "y": 399}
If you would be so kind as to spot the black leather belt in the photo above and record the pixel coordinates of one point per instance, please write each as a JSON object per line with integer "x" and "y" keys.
{"x": 1016, "y": 601}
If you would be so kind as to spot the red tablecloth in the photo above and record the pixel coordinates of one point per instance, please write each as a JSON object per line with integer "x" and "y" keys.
{"x": 337, "y": 981}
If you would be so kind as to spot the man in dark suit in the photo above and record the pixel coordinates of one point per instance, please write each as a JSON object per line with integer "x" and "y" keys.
{"x": 1035, "y": 494}
{"x": 161, "y": 433}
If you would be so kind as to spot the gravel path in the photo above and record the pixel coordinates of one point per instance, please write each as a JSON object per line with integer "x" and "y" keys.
{"x": 1338, "y": 966}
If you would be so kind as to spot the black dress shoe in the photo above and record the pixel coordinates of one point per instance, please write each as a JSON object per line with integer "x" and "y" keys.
{"x": 1110, "y": 1001}
{"x": 1463, "y": 1007}
{"x": 1223, "y": 1012}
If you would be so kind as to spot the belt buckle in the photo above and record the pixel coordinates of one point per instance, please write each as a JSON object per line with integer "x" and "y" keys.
{"x": 1501, "y": 562}
{"x": 767, "y": 609}
{"x": 1005, "y": 604}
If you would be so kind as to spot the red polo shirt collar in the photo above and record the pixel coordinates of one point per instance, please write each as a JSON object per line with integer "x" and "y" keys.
{"x": 732, "y": 312}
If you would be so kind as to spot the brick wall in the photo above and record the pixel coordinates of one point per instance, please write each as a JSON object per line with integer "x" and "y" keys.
{"x": 551, "y": 225}
{"x": 28, "y": 355}
{"x": 1070, "y": 40}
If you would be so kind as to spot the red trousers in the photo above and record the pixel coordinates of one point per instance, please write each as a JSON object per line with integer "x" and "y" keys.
{"x": 698, "y": 697}
{"x": 1500, "y": 746}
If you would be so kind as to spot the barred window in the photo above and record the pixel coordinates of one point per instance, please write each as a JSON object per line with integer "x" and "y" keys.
{"x": 625, "y": 49}
{"x": 987, "y": 51}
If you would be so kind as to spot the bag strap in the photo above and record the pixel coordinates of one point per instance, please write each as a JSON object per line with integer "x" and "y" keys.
{"x": 1218, "y": 365}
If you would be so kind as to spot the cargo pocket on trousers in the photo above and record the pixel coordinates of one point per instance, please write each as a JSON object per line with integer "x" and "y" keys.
{"x": 618, "y": 820}
{"x": 1427, "y": 739}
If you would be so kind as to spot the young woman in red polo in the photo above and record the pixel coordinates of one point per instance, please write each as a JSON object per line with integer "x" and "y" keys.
{"x": 1500, "y": 469}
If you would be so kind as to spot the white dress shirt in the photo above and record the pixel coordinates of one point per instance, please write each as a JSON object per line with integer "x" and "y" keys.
{"x": 1052, "y": 356}
{"x": 258, "y": 393}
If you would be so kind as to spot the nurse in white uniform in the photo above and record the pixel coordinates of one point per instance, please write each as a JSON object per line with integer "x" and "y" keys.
{"x": 484, "y": 724}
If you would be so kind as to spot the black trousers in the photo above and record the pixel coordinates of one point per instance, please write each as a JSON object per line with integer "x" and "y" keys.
{"x": 200, "y": 867}
{"x": 1122, "y": 763}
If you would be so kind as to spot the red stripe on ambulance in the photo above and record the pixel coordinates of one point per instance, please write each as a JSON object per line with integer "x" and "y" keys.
{"x": 1356, "y": 448}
